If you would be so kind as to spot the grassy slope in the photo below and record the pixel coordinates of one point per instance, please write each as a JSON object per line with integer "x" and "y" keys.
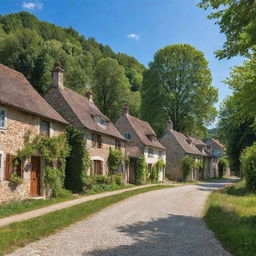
{"x": 231, "y": 214}
{"x": 21, "y": 233}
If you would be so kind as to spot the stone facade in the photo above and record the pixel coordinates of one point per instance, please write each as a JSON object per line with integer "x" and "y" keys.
{"x": 12, "y": 139}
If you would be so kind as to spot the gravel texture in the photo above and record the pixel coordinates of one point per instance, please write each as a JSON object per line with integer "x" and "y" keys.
{"x": 160, "y": 223}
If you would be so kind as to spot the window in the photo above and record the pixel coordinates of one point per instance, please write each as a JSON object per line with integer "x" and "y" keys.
{"x": 128, "y": 135}
{"x": 150, "y": 152}
{"x": 96, "y": 140}
{"x": 160, "y": 154}
{"x": 45, "y": 128}
{"x": 2, "y": 119}
{"x": 97, "y": 167}
{"x": 103, "y": 122}
{"x": 117, "y": 144}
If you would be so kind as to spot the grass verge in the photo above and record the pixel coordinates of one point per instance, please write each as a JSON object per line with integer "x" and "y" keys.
{"x": 17, "y": 207}
{"x": 21, "y": 233}
{"x": 231, "y": 214}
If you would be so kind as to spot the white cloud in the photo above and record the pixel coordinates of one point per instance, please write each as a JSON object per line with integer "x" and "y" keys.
{"x": 134, "y": 36}
{"x": 32, "y": 5}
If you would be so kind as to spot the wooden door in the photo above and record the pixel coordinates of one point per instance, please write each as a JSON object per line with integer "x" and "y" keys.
{"x": 35, "y": 176}
{"x": 132, "y": 168}
{"x": 97, "y": 167}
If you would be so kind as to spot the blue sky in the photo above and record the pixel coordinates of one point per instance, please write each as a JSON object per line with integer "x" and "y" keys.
{"x": 136, "y": 27}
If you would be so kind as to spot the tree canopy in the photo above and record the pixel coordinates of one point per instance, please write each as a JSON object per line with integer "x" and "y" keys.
{"x": 178, "y": 84}
{"x": 236, "y": 19}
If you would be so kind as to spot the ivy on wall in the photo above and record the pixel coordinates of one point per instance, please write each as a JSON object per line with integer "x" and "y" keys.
{"x": 141, "y": 173}
{"x": 115, "y": 160}
{"x": 188, "y": 163}
{"x": 155, "y": 170}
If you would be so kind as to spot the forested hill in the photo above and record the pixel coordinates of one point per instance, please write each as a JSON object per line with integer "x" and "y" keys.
{"x": 32, "y": 47}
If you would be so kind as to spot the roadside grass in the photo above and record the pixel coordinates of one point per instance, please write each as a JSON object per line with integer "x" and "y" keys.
{"x": 231, "y": 214}
{"x": 17, "y": 207}
{"x": 21, "y": 233}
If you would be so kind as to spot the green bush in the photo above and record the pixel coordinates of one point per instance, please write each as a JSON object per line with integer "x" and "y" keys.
{"x": 115, "y": 160}
{"x": 248, "y": 163}
{"x": 188, "y": 163}
{"x": 222, "y": 164}
{"x": 141, "y": 173}
{"x": 78, "y": 162}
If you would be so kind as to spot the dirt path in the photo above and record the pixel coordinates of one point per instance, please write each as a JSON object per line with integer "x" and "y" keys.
{"x": 157, "y": 223}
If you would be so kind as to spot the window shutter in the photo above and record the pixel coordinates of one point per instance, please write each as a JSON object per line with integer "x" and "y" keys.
{"x": 8, "y": 167}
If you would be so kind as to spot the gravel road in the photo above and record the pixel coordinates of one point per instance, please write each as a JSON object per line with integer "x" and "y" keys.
{"x": 158, "y": 223}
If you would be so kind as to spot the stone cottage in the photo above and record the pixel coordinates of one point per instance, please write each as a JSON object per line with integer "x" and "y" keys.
{"x": 142, "y": 140}
{"x": 22, "y": 109}
{"x": 82, "y": 113}
{"x": 179, "y": 145}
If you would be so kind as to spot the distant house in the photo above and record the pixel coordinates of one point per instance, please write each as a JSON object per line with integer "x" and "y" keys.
{"x": 82, "y": 113}
{"x": 22, "y": 109}
{"x": 142, "y": 141}
{"x": 179, "y": 145}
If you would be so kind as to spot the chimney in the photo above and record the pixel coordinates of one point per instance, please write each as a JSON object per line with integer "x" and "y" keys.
{"x": 169, "y": 124}
{"x": 126, "y": 109}
{"x": 57, "y": 76}
{"x": 89, "y": 95}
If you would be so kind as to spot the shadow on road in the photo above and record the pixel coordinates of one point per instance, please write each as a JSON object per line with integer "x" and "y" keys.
{"x": 175, "y": 235}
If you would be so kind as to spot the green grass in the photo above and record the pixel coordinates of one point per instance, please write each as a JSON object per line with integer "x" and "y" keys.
{"x": 17, "y": 207}
{"x": 21, "y": 233}
{"x": 231, "y": 214}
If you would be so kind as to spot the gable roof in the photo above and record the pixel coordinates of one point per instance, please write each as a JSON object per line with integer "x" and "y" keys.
{"x": 86, "y": 112}
{"x": 188, "y": 148}
{"x": 143, "y": 130}
{"x": 218, "y": 143}
{"x": 17, "y": 92}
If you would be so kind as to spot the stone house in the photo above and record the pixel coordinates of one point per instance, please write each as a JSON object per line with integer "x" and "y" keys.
{"x": 179, "y": 145}
{"x": 22, "y": 109}
{"x": 82, "y": 113}
{"x": 142, "y": 140}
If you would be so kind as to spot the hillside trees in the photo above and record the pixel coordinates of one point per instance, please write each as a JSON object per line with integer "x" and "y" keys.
{"x": 178, "y": 84}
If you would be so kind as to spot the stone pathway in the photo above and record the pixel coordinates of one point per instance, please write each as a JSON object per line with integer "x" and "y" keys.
{"x": 38, "y": 212}
{"x": 157, "y": 223}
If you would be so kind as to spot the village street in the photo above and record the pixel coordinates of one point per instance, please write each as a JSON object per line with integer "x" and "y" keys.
{"x": 163, "y": 222}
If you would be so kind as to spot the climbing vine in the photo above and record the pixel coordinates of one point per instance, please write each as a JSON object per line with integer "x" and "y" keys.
{"x": 54, "y": 151}
{"x": 188, "y": 163}
{"x": 141, "y": 174}
{"x": 115, "y": 160}
{"x": 155, "y": 170}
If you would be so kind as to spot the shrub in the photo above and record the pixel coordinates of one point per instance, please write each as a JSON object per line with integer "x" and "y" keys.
{"x": 78, "y": 162}
{"x": 115, "y": 160}
{"x": 16, "y": 180}
{"x": 141, "y": 173}
{"x": 155, "y": 170}
{"x": 248, "y": 161}
{"x": 188, "y": 163}
{"x": 222, "y": 164}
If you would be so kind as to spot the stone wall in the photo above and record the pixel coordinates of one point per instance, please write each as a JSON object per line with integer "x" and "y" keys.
{"x": 12, "y": 139}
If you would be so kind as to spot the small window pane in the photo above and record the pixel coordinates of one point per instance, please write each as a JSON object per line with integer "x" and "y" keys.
{"x": 2, "y": 119}
{"x": 128, "y": 136}
{"x": 45, "y": 128}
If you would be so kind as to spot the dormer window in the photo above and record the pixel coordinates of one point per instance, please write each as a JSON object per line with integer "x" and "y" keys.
{"x": 2, "y": 119}
{"x": 128, "y": 135}
{"x": 100, "y": 122}
{"x": 152, "y": 138}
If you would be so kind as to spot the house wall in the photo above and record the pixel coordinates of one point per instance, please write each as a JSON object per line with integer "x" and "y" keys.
{"x": 102, "y": 153}
{"x": 12, "y": 139}
{"x": 173, "y": 156}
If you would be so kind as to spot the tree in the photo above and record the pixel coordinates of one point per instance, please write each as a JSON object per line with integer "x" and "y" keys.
{"x": 111, "y": 87}
{"x": 236, "y": 19}
{"x": 178, "y": 84}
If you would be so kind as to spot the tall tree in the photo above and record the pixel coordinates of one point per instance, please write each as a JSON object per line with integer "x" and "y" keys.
{"x": 178, "y": 84}
{"x": 111, "y": 87}
{"x": 236, "y": 19}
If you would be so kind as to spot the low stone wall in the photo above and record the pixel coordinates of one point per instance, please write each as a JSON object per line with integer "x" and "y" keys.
{"x": 9, "y": 191}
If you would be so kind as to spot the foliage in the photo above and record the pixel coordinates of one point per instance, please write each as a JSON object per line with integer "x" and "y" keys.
{"x": 22, "y": 233}
{"x": 141, "y": 172}
{"x": 236, "y": 19}
{"x": 200, "y": 166}
{"x": 15, "y": 179}
{"x": 115, "y": 160}
{"x": 230, "y": 214}
{"x": 178, "y": 84}
{"x": 32, "y": 47}
{"x": 188, "y": 163}
{"x": 222, "y": 165}
{"x": 155, "y": 170}
{"x": 248, "y": 160}
{"x": 53, "y": 150}
{"x": 78, "y": 161}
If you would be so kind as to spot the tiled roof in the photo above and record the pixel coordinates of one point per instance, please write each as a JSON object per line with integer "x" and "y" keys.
{"x": 86, "y": 112}
{"x": 143, "y": 130}
{"x": 17, "y": 92}
{"x": 133, "y": 151}
{"x": 219, "y": 143}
